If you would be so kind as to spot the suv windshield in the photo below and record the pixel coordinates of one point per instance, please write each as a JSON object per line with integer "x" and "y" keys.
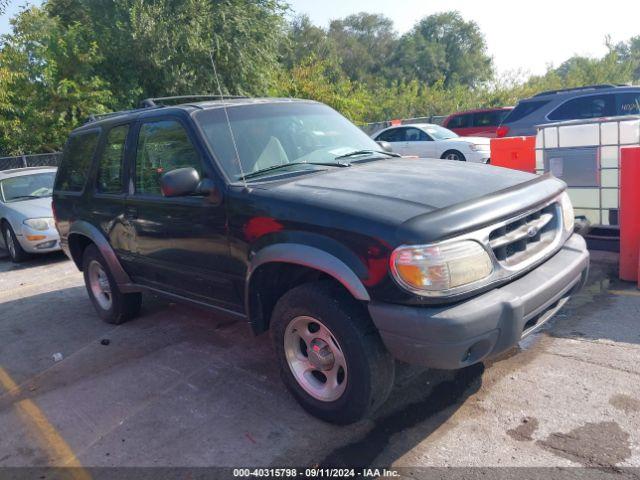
{"x": 279, "y": 137}
{"x": 24, "y": 187}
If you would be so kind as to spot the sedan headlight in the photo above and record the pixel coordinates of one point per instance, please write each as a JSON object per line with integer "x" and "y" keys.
{"x": 479, "y": 147}
{"x": 433, "y": 270}
{"x": 39, "y": 224}
{"x": 568, "y": 215}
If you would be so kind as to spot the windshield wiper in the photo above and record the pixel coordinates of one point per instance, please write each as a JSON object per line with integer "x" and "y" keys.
{"x": 25, "y": 196}
{"x": 283, "y": 165}
{"x": 355, "y": 153}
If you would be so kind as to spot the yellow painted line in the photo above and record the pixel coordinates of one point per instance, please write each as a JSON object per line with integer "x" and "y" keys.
{"x": 628, "y": 293}
{"x": 56, "y": 446}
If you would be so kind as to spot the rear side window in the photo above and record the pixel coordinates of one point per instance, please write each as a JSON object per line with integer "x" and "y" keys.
{"x": 162, "y": 146}
{"x": 489, "y": 119}
{"x": 628, "y": 103}
{"x": 593, "y": 106}
{"x": 460, "y": 121}
{"x": 110, "y": 164}
{"x": 76, "y": 161}
{"x": 415, "y": 135}
{"x": 523, "y": 109}
{"x": 393, "y": 135}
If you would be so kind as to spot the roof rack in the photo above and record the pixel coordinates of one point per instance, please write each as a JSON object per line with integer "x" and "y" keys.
{"x": 577, "y": 89}
{"x": 94, "y": 117}
{"x": 154, "y": 102}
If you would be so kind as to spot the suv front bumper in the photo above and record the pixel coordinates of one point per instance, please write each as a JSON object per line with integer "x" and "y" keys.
{"x": 458, "y": 335}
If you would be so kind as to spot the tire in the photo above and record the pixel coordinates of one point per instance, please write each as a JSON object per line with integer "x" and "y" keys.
{"x": 322, "y": 310}
{"x": 16, "y": 252}
{"x": 453, "y": 155}
{"x": 110, "y": 303}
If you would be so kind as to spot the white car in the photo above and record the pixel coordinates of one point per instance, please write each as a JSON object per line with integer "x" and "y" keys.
{"x": 26, "y": 218}
{"x": 426, "y": 140}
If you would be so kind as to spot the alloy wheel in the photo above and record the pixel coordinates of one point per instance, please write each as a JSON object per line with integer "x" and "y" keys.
{"x": 315, "y": 358}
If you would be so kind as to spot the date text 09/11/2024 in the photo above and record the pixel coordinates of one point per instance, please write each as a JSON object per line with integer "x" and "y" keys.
{"x": 315, "y": 472}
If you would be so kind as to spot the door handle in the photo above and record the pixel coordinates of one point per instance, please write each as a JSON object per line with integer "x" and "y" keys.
{"x": 131, "y": 212}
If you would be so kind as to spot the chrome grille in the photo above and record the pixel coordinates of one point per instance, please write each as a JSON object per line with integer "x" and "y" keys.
{"x": 516, "y": 241}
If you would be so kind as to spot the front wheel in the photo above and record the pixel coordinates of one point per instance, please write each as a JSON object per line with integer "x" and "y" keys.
{"x": 453, "y": 155}
{"x": 16, "y": 252}
{"x": 110, "y": 303}
{"x": 330, "y": 355}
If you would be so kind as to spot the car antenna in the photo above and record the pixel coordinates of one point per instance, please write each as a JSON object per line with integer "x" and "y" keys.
{"x": 226, "y": 114}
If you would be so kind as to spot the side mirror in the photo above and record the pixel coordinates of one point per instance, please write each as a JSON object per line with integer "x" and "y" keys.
{"x": 180, "y": 182}
{"x": 386, "y": 146}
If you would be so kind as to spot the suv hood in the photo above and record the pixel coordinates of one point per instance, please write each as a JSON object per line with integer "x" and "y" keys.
{"x": 32, "y": 208}
{"x": 395, "y": 190}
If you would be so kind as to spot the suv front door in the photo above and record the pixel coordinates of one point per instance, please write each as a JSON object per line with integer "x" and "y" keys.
{"x": 179, "y": 244}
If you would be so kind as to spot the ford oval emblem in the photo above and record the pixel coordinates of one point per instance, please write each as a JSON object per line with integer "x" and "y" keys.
{"x": 532, "y": 232}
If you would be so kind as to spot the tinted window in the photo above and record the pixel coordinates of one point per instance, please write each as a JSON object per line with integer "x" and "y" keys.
{"x": 628, "y": 103}
{"x": 415, "y": 135}
{"x": 162, "y": 146}
{"x": 393, "y": 135}
{"x": 460, "y": 121}
{"x": 593, "y": 106}
{"x": 76, "y": 160}
{"x": 489, "y": 119}
{"x": 523, "y": 109}
{"x": 110, "y": 164}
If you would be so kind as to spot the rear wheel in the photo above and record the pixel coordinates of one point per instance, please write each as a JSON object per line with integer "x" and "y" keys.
{"x": 110, "y": 303}
{"x": 453, "y": 155}
{"x": 330, "y": 355}
{"x": 16, "y": 252}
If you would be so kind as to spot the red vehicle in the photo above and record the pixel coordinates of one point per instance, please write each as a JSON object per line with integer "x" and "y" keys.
{"x": 477, "y": 123}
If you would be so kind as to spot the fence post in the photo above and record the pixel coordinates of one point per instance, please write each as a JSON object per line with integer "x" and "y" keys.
{"x": 24, "y": 161}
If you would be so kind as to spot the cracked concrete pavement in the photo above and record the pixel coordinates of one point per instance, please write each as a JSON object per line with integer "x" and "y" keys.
{"x": 180, "y": 387}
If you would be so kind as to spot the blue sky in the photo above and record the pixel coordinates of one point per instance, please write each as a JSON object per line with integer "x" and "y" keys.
{"x": 521, "y": 35}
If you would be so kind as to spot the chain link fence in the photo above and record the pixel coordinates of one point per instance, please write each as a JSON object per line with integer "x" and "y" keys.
{"x": 23, "y": 161}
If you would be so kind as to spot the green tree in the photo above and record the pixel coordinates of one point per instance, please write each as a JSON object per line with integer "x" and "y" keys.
{"x": 445, "y": 47}
{"x": 49, "y": 83}
{"x": 163, "y": 47}
{"x": 365, "y": 43}
{"x": 305, "y": 40}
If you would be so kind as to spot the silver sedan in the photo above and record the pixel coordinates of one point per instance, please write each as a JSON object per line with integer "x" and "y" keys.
{"x": 26, "y": 218}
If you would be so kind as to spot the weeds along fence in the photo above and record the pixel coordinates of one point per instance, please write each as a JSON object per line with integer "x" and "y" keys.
{"x": 23, "y": 161}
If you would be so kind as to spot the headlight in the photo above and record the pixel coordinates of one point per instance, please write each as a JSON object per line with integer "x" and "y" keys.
{"x": 478, "y": 148}
{"x": 568, "y": 215}
{"x": 39, "y": 224}
{"x": 432, "y": 270}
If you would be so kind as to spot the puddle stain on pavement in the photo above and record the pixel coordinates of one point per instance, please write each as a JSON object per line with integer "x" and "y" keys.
{"x": 602, "y": 445}
{"x": 626, "y": 403}
{"x": 524, "y": 432}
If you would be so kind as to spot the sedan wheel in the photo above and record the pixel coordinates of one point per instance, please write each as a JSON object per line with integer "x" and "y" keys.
{"x": 454, "y": 155}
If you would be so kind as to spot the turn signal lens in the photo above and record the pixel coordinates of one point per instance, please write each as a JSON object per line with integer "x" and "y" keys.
{"x": 436, "y": 269}
{"x": 568, "y": 214}
{"x": 33, "y": 238}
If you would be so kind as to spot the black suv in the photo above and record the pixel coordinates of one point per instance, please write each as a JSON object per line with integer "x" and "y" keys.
{"x": 284, "y": 214}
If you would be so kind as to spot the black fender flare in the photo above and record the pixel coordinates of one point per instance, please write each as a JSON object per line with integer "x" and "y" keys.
{"x": 89, "y": 231}
{"x": 306, "y": 256}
